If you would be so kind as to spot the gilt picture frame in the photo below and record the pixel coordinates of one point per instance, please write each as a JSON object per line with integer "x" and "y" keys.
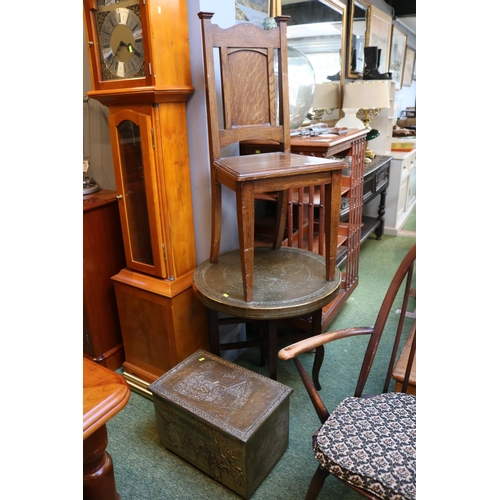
{"x": 379, "y": 33}
{"x": 398, "y": 53}
{"x": 409, "y": 66}
{"x": 359, "y": 12}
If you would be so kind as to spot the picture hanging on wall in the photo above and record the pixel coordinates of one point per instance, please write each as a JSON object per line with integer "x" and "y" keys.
{"x": 409, "y": 63}
{"x": 398, "y": 52}
{"x": 379, "y": 31}
{"x": 254, "y": 12}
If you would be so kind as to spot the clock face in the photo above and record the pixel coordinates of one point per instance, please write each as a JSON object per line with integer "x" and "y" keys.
{"x": 120, "y": 39}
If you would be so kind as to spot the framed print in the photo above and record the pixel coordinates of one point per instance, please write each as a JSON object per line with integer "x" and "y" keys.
{"x": 398, "y": 52}
{"x": 379, "y": 31}
{"x": 254, "y": 12}
{"x": 408, "y": 69}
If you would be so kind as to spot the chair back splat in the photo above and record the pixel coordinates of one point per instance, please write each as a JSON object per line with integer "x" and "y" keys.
{"x": 253, "y": 70}
{"x": 369, "y": 441}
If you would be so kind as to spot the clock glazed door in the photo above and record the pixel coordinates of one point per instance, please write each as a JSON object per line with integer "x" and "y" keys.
{"x": 132, "y": 139}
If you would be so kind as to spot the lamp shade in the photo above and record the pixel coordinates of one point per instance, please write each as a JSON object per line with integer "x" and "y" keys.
{"x": 367, "y": 94}
{"x": 326, "y": 96}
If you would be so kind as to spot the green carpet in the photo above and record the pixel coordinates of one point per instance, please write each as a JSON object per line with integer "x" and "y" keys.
{"x": 411, "y": 223}
{"x": 144, "y": 470}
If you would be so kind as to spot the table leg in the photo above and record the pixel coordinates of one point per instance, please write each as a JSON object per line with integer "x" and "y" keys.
{"x": 273, "y": 349}
{"x": 98, "y": 473}
{"x": 381, "y": 212}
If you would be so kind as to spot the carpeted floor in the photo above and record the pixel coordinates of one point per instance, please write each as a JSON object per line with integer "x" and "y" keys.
{"x": 411, "y": 224}
{"x": 144, "y": 470}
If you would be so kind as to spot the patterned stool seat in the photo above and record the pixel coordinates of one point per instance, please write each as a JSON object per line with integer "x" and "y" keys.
{"x": 371, "y": 444}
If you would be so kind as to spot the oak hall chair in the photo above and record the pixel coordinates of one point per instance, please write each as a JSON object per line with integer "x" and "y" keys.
{"x": 252, "y": 64}
{"x": 368, "y": 442}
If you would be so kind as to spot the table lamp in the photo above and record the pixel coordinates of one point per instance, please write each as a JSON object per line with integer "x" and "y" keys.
{"x": 368, "y": 97}
{"x": 325, "y": 100}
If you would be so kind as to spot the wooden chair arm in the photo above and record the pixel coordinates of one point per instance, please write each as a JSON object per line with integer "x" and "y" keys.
{"x": 307, "y": 345}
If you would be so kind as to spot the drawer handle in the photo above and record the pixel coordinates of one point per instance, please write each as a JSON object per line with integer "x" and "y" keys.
{"x": 119, "y": 196}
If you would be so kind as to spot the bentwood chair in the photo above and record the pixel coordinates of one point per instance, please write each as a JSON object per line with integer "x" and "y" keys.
{"x": 252, "y": 66}
{"x": 369, "y": 442}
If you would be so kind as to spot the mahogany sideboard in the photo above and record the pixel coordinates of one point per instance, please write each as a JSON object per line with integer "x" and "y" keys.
{"x": 103, "y": 257}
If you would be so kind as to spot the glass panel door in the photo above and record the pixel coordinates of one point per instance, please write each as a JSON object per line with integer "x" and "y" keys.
{"x": 137, "y": 187}
{"x": 129, "y": 140}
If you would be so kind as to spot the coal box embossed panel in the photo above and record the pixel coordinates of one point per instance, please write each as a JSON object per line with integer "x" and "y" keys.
{"x": 227, "y": 421}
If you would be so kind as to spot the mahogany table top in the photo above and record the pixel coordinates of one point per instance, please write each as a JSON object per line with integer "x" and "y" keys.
{"x": 105, "y": 393}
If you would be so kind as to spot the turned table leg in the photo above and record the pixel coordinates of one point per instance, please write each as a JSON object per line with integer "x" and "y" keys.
{"x": 381, "y": 212}
{"x": 98, "y": 473}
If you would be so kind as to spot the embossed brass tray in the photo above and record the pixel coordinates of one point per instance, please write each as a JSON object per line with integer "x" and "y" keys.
{"x": 287, "y": 283}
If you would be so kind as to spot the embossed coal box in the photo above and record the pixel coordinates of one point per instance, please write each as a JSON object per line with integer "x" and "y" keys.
{"x": 227, "y": 421}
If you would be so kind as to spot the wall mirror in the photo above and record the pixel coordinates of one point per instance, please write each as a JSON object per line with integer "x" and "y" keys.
{"x": 359, "y": 15}
{"x": 317, "y": 29}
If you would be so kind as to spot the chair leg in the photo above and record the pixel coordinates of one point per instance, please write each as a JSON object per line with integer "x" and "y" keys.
{"x": 279, "y": 235}
{"x": 216, "y": 221}
{"x": 246, "y": 219}
{"x": 317, "y": 483}
{"x": 320, "y": 350}
{"x": 332, "y": 217}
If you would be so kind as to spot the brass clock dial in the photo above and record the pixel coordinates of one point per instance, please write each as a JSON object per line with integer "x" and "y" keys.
{"x": 121, "y": 46}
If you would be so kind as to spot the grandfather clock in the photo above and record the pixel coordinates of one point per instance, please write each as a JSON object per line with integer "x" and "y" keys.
{"x": 140, "y": 67}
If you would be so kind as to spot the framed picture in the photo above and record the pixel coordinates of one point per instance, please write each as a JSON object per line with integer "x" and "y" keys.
{"x": 254, "y": 12}
{"x": 398, "y": 52}
{"x": 409, "y": 67}
{"x": 379, "y": 31}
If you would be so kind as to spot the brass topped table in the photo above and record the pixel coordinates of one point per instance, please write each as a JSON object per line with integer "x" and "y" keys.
{"x": 105, "y": 393}
{"x": 288, "y": 283}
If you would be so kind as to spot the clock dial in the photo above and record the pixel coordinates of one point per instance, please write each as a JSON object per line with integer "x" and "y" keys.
{"x": 120, "y": 40}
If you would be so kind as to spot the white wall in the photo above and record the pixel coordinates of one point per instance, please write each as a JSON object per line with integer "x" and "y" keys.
{"x": 224, "y": 16}
{"x": 96, "y": 142}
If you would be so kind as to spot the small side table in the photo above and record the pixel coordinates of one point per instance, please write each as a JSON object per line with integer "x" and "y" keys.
{"x": 105, "y": 393}
{"x": 288, "y": 283}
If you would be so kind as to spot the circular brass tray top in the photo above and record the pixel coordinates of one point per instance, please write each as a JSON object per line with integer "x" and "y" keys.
{"x": 287, "y": 283}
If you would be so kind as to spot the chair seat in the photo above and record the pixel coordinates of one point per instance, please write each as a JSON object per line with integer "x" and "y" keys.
{"x": 385, "y": 468}
{"x": 278, "y": 165}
